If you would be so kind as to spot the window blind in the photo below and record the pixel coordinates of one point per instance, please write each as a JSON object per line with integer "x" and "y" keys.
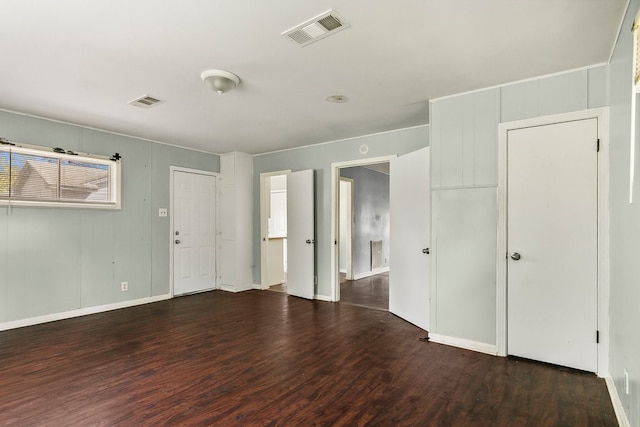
{"x": 40, "y": 176}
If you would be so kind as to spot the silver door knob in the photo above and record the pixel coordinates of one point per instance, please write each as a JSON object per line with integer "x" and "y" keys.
{"x": 515, "y": 256}
{"x": 425, "y": 251}
{"x": 177, "y": 242}
{"x": 309, "y": 241}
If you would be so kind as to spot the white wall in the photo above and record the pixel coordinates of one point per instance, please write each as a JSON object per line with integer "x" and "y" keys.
{"x": 320, "y": 157}
{"x": 624, "y": 308}
{"x": 464, "y": 178}
{"x": 57, "y": 260}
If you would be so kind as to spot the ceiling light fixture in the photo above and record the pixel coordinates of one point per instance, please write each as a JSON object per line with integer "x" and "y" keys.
{"x": 219, "y": 80}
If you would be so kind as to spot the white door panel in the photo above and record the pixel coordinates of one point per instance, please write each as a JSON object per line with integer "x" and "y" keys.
{"x": 409, "y": 266}
{"x": 194, "y": 232}
{"x": 300, "y": 234}
{"x": 552, "y": 226}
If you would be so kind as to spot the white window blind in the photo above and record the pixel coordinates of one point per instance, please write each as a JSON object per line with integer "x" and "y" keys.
{"x": 31, "y": 176}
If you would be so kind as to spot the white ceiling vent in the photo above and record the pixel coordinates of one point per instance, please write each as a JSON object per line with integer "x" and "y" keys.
{"x": 317, "y": 28}
{"x": 146, "y": 101}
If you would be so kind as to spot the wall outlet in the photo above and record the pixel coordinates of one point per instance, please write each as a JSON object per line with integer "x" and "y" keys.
{"x": 124, "y": 286}
{"x": 315, "y": 280}
{"x": 626, "y": 382}
{"x": 162, "y": 212}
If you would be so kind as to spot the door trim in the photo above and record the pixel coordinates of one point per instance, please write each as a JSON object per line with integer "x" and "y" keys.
{"x": 602, "y": 115}
{"x": 264, "y": 216}
{"x": 335, "y": 219}
{"x": 172, "y": 170}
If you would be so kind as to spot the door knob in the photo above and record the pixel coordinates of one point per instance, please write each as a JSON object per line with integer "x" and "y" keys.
{"x": 177, "y": 242}
{"x": 425, "y": 251}
{"x": 309, "y": 241}
{"x": 515, "y": 256}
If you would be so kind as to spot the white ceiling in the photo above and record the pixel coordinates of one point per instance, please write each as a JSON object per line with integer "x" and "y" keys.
{"x": 83, "y": 61}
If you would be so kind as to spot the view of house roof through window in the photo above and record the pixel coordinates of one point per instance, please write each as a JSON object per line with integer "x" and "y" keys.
{"x": 33, "y": 176}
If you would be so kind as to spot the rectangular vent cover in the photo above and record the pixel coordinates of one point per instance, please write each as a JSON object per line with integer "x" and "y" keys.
{"x": 146, "y": 101}
{"x": 317, "y": 28}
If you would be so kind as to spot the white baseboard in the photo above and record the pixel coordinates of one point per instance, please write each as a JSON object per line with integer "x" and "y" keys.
{"x": 80, "y": 312}
{"x": 370, "y": 273}
{"x": 623, "y": 421}
{"x": 464, "y": 343}
{"x": 259, "y": 287}
{"x": 322, "y": 298}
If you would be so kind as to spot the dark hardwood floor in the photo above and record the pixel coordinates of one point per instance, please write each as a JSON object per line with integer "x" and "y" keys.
{"x": 370, "y": 292}
{"x": 262, "y": 358}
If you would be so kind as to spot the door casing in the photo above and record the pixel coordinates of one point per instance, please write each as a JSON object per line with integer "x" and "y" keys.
{"x": 602, "y": 115}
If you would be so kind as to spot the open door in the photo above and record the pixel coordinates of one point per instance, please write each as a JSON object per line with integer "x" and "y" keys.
{"x": 409, "y": 262}
{"x": 300, "y": 234}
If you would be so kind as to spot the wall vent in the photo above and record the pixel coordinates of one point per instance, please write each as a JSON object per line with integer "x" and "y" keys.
{"x": 146, "y": 101}
{"x": 316, "y": 28}
{"x": 376, "y": 254}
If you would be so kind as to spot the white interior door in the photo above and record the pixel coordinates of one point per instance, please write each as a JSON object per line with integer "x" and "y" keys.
{"x": 552, "y": 243}
{"x": 346, "y": 231}
{"x": 409, "y": 262}
{"x": 194, "y": 222}
{"x": 300, "y": 234}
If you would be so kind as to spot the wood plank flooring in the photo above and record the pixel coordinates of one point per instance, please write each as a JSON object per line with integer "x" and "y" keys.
{"x": 370, "y": 292}
{"x": 262, "y": 358}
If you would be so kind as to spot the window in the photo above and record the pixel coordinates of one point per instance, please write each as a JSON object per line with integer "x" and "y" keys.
{"x": 33, "y": 176}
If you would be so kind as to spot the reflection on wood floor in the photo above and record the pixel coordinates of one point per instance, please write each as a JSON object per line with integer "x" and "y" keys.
{"x": 370, "y": 292}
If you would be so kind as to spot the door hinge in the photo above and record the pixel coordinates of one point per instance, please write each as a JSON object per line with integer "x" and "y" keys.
{"x": 597, "y": 337}
{"x": 598, "y": 146}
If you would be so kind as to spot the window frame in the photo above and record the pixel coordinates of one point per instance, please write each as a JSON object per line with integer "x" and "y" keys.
{"x": 114, "y": 184}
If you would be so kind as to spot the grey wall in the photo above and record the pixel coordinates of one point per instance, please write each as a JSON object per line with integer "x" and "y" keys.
{"x": 370, "y": 215}
{"x": 54, "y": 260}
{"x": 320, "y": 157}
{"x": 464, "y": 178}
{"x": 625, "y": 228}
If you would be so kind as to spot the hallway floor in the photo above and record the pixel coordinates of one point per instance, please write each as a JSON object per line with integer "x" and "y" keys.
{"x": 370, "y": 292}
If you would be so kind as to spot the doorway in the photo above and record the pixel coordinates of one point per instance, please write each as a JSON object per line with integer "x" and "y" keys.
{"x": 360, "y": 213}
{"x": 552, "y": 280}
{"x": 193, "y": 231}
{"x": 273, "y": 225}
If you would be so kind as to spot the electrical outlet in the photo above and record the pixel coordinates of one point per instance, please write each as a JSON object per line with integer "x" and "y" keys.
{"x": 162, "y": 212}
{"x": 626, "y": 382}
{"x": 315, "y": 280}
{"x": 124, "y": 286}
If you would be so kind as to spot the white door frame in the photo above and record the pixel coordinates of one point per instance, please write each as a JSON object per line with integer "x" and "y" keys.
{"x": 265, "y": 194}
{"x": 350, "y": 202}
{"x": 335, "y": 215}
{"x": 602, "y": 114}
{"x": 172, "y": 170}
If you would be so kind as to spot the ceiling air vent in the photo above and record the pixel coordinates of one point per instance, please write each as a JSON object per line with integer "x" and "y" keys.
{"x": 146, "y": 101}
{"x": 317, "y": 28}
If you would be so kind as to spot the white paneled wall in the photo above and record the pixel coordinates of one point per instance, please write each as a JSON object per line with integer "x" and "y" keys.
{"x": 464, "y": 178}
{"x": 235, "y": 260}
